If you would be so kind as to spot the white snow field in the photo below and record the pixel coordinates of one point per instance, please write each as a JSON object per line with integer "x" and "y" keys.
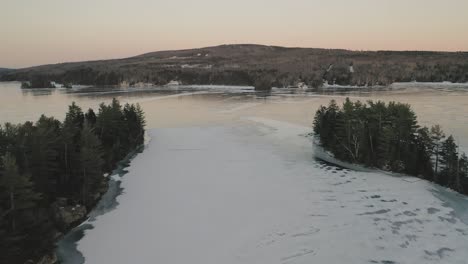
{"x": 251, "y": 192}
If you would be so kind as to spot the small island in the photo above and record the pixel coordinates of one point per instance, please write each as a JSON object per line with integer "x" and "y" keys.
{"x": 38, "y": 82}
{"x": 52, "y": 173}
{"x": 388, "y": 137}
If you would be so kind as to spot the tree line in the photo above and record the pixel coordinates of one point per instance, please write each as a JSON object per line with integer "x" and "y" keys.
{"x": 257, "y": 65}
{"x": 48, "y": 160}
{"x": 388, "y": 137}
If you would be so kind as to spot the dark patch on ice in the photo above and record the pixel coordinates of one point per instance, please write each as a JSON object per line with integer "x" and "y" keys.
{"x": 411, "y": 237}
{"x": 307, "y": 233}
{"x": 439, "y": 234}
{"x": 398, "y": 224}
{"x": 299, "y": 254}
{"x": 383, "y": 261}
{"x": 405, "y": 203}
{"x": 318, "y": 215}
{"x": 370, "y": 205}
{"x": 451, "y": 218}
{"x": 404, "y": 245}
{"x": 463, "y": 232}
{"x": 340, "y": 183}
{"x": 409, "y": 213}
{"x": 432, "y": 210}
{"x": 362, "y": 191}
{"x": 329, "y": 166}
{"x": 383, "y": 211}
{"x": 375, "y": 196}
{"x": 440, "y": 252}
{"x": 388, "y": 201}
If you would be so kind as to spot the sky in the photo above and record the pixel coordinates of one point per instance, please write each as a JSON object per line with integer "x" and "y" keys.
{"x": 35, "y": 32}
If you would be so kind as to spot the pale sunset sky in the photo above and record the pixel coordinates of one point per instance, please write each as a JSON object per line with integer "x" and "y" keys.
{"x": 34, "y": 32}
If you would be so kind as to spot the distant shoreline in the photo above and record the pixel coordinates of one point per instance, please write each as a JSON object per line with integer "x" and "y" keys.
{"x": 259, "y": 66}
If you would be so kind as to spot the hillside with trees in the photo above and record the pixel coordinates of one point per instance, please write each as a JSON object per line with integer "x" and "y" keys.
{"x": 388, "y": 137}
{"x": 51, "y": 173}
{"x": 257, "y": 65}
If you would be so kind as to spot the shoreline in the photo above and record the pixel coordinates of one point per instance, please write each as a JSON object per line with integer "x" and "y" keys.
{"x": 66, "y": 243}
{"x": 226, "y": 87}
{"x": 445, "y": 194}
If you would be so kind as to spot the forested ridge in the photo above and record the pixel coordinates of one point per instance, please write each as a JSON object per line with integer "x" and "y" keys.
{"x": 255, "y": 65}
{"x": 388, "y": 137}
{"x": 52, "y": 173}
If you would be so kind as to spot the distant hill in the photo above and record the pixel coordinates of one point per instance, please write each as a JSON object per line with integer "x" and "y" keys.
{"x": 248, "y": 64}
{"x": 5, "y": 69}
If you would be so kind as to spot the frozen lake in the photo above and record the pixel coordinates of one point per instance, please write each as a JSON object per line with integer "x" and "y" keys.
{"x": 230, "y": 177}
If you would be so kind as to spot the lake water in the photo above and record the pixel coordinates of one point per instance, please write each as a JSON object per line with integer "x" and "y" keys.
{"x": 442, "y": 104}
{"x": 228, "y": 176}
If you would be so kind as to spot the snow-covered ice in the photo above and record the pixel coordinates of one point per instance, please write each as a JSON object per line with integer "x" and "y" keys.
{"x": 252, "y": 192}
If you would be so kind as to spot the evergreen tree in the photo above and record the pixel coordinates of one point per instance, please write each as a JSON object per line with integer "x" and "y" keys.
{"x": 141, "y": 124}
{"x": 91, "y": 162}
{"x": 422, "y": 159}
{"x": 18, "y": 189}
{"x": 448, "y": 162}
{"x": 437, "y": 136}
{"x": 90, "y": 117}
{"x": 70, "y": 148}
{"x": 44, "y": 160}
{"x": 110, "y": 128}
{"x": 463, "y": 172}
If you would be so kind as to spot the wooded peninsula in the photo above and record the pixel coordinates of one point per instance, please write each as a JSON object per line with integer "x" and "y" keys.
{"x": 388, "y": 137}
{"x": 52, "y": 173}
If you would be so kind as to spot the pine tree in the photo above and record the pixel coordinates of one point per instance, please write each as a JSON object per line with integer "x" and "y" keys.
{"x": 423, "y": 143}
{"x": 70, "y": 139}
{"x": 91, "y": 162}
{"x": 448, "y": 162}
{"x": 44, "y": 155}
{"x": 112, "y": 131}
{"x": 90, "y": 117}
{"x": 74, "y": 117}
{"x": 319, "y": 121}
{"x": 19, "y": 189}
{"x": 141, "y": 124}
{"x": 463, "y": 171}
{"x": 437, "y": 135}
